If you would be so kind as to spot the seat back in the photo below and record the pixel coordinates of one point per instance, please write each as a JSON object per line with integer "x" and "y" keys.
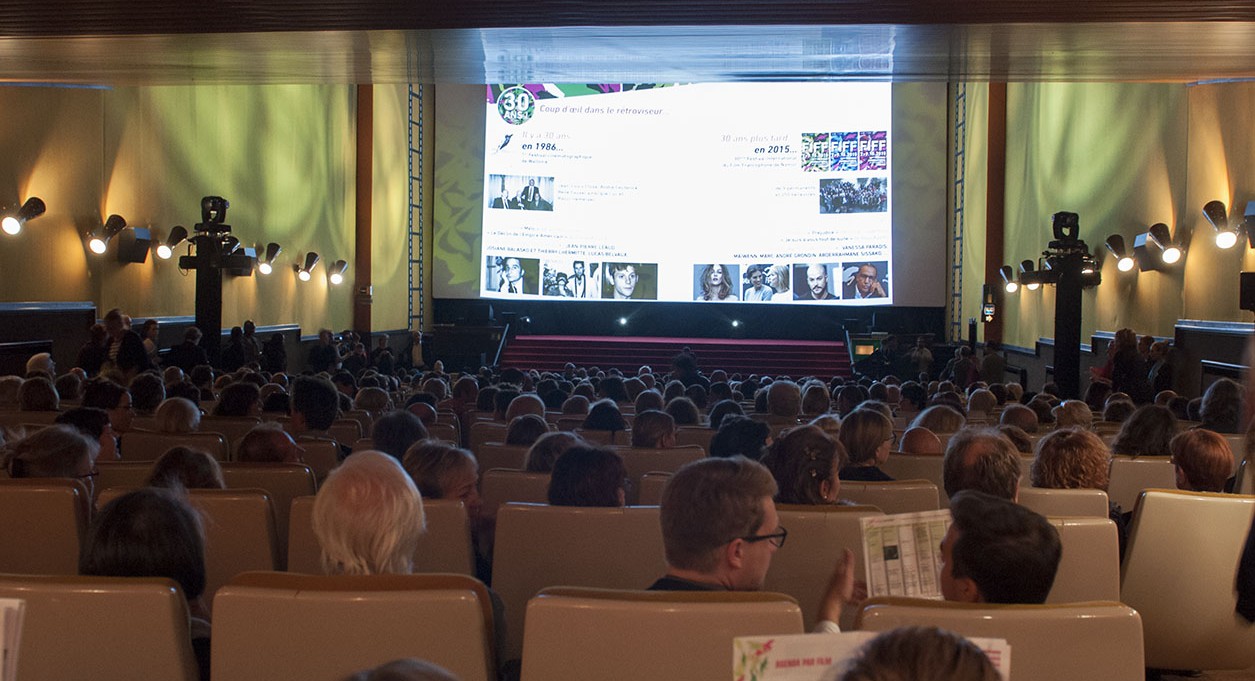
{"x": 499, "y": 486}
{"x": 605, "y": 438}
{"x": 1077, "y": 641}
{"x": 486, "y": 431}
{"x": 542, "y": 546}
{"x": 639, "y": 461}
{"x": 898, "y": 496}
{"x": 232, "y": 427}
{"x": 44, "y": 521}
{"x": 649, "y": 491}
{"x": 445, "y": 547}
{"x": 282, "y": 481}
{"x": 123, "y": 474}
{"x": 1179, "y": 568}
{"x": 1245, "y": 482}
{"x": 694, "y": 435}
{"x": 801, "y": 568}
{"x": 239, "y": 533}
{"x": 288, "y": 627}
{"x": 1065, "y": 502}
{"x": 102, "y": 628}
{"x": 496, "y": 455}
{"x": 901, "y": 466}
{"x": 1089, "y": 569}
{"x": 320, "y": 455}
{"x": 143, "y": 445}
{"x": 346, "y": 430}
{"x": 1131, "y": 475}
{"x": 576, "y": 634}
{"x": 447, "y": 432}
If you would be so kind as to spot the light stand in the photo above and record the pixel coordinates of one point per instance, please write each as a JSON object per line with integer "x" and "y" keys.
{"x": 214, "y": 251}
{"x": 1070, "y": 267}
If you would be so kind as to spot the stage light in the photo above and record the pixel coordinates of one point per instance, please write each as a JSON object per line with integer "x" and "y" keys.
{"x": 1008, "y": 279}
{"x": 1065, "y": 226}
{"x": 622, "y": 321}
{"x": 33, "y": 208}
{"x": 303, "y": 273}
{"x": 736, "y": 323}
{"x": 101, "y": 235}
{"x": 1162, "y": 236}
{"x": 266, "y": 266}
{"x": 1029, "y": 277}
{"x": 1218, "y": 216}
{"x": 335, "y": 273}
{"x": 178, "y": 234}
{"x": 1124, "y": 261}
{"x": 230, "y": 244}
{"x": 134, "y": 243}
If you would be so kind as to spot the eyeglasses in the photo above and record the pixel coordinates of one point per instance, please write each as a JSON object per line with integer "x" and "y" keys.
{"x": 776, "y": 538}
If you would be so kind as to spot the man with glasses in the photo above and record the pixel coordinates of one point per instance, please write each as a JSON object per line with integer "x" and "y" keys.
{"x": 720, "y": 530}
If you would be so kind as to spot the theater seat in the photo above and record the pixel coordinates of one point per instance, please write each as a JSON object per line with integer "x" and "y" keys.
{"x": 1089, "y": 569}
{"x": 901, "y": 466}
{"x": 446, "y": 432}
{"x": 1064, "y": 502}
{"x": 142, "y": 445}
{"x": 102, "y": 628}
{"x": 651, "y": 486}
{"x": 42, "y": 524}
{"x": 282, "y": 481}
{"x": 1099, "y": 641}
{"x": 578, "y": 634}
{"x": 898, "y": 496}
{"x": 496, "y": 455}
{"x": 499, "y": 486}
{"x": 1131, "y": 475}
{"x": 239, "y": 533}
{"x": 289, "y": 627}
{"x": 1179, "y": 569}
{"x": 639, "y": 461}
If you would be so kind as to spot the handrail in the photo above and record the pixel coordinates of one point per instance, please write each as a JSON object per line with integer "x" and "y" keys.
{"x": 505, "y": 336}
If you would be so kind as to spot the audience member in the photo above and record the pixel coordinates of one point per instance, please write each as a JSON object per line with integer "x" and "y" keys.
{"x": 920, "y": 441}
{"x": 1019, "y": 416}
{"x": 525, "y": 430}
{"x": 588, "y": 476}
{"x": 56, "y": 451}
{"x": 939, "y": 418}
{"x": 723, "y": 408}
{"x": 147, "y": 391}
{"x": 1203, "y": 460}
{"x": 104, "y": 394}
{"x": 239, "y": 400}
{"x": 1023, "y": 443}
{"x": 182, "y": 468}
{"x": 1146, "y": 432}
{"x": 1073, "y": 413}
{"x": 1221, "y": 408}
{"x": 984, "y": 460}
{"x": 919, "y": 654}
{"x": 784, "y": 402}
{"x": 740, "y": 436}
{"x": 867, "y": 436}
{"x": 654, "y": 430}
{"x": 38, "y": 394}
{"x": 996, "y": 551}
{"x": 395, "y": 431}
{"x": 405, "y": 670}
{"x": 805, "y": 463}
{"x": 368, "y": 517}
{"x": 546, "y": 450}
{"x": 684, "y": 412}
{"x": 268, "y": 443}
{"x": 94, "y": 424}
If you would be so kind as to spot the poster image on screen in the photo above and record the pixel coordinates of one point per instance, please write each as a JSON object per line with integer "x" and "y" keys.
{"x": 726, "y": 192}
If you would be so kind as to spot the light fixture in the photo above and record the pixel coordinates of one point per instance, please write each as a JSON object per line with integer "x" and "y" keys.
{"x": 33, "y": 208}
{"x": 134, "y": 243}
{"x": 266, "y": 266}
{"x": 1218, "y": 216}
{"x": 736, "y": 323}
{"x": 101, "y": 235}
{"x": 1029, "y": 277}
{"x": 1008, "y": 279}
{"x": 303, "y": 273}
{"x": 622, "y": 321}
{"x": 1124, "y": 260}
{"x": 230, "y": 244}
{"x": 178, "y": 234}
{"x": 335, "y": 273}
{"x": 1162, "y": 236}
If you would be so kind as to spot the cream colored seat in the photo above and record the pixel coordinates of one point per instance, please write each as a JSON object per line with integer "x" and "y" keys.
{"x": 542, "y": 546}
{"x": 1131, "y": 475}
{"x": 43, "y": 524}
{"x": 570, "y": 423}
{"x": 365, "y": 420}
{"x": 282, "y": 481}
{"x": 606, "y": 437}
{"x": 639, "y": 461}
{"x": 817, "y": 534}
{"x": 901, "y": 466}
{"x": 898, "y": 496}
{"x": 499, "y": 486}
{"x": 1089, "y": 569}
{"x": 346, "y": 430}
{"x": 1099, "y": 641}
{"x": 322, "y": 456}
{"x": 1245, "y": 483}
{"x": 445, "y": 547}
{"x": 578, "y": 634}
{"x": 287, "y": 627}
{"x": 142, "y": 445}
{"x": 231, "y": 427}
{"x": 239, "y": 533}
{"x": 651, "y": 487}
{"x": 486, "y": 431}
{"x": 496, "y": 455}
{"x": 1065, "y": 502}
{"x": 694, "y": 435}
{"x": 446, "y": 432}
{"x": 1179, "y": 569}
{"x": 102, "y": 628}
{"x": 124, "y": 474}
{"x": 13, "y": 420}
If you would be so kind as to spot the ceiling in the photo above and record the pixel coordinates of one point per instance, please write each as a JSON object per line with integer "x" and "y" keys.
{"x": 145, "y": 42}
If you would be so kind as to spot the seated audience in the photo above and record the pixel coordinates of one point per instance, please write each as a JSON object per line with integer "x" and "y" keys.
{"x": 1073, "y": 413}
{"x": 815, "y": 400}
{"x": 103, "y": 393}
{"x": 984, "y": 460}
{"x": 69, "y": 387}
{"x": 177, "y": 415}
{"x": 268, "y": 443}
{"x": 525, "y": 430}
{"x": 588, "y": 476}
{"x": 1019, "y": 416}
{"x": 721, "y": 409}
{"x": 546, "y": 450}
{"x": 1118, "y": 411}
{"x": 1071, "y": 458}
{"x": 604, "y": 415}
{"x": 805, "y": 463}
{"x": 395, "y": 431}
{"x": 1146, "y": 432}
{"x": 784, "y": 402}
{"x": 919, "y": 654}
{"x": 368, "y": 517}
{"x": 653, "y": 430}
{"x": 372, "y": 400}
{"x": 740, "y": 436}
{"x": 920, "y": 441}
{"x": 867, "y": 436}
{"x": 1221, "y": 407}
{"x": 524, "y": 404}
{"x": 443, "y": 471}
{"x": 153, "y": 533}
{"x": 1023, "y": 443}
{"x": 183, "y": 468}
{"x": 56, "y": 451}
{"x": 939, "y": 418}
{"x": 38, "y": 394}
{"x": 147, "y": 391}
{"x": 649, "y": 399}
{"x": 1203, "y": 460}
{"x": 94, "y": 424}
{"x": 239, "y": 399}
{"x": 997, "y": 551}
{"x": 684, "y": 412}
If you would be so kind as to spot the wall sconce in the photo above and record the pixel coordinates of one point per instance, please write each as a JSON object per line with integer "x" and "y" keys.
{"x": 1154, "y": 248}
{"x": 1029, "y": 277}
{"x": 33, "y": 208}
{"x": 303, "y": 273}
{"x": 1008, "y": 279}
{"x": 335, "y": 273}
{"x": 178, "y": 234}
{"x": 1124, "y": 260}
{"x": 99, "y": 237}
{"x": 266, "y": 265}
{"x": 1226, "y": 236}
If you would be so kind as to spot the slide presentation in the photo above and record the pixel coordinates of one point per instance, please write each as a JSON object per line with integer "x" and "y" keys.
{"x": 763, "y": 193}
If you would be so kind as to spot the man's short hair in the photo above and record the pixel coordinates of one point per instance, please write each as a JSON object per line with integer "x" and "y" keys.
{"x": 920, "y": 654}
{"x": 784, "y": 398}
{"x": 650, "y": 427}
{"x": 981, "y": 459}
{"x": 1204, "y": 457}
{"x": 261, "y": 444}
{"x": 708, "y": 503}
{"x": 1010, "y": 552}
{"x": 1019, "y": 416}
{"x": 317, "y": 400}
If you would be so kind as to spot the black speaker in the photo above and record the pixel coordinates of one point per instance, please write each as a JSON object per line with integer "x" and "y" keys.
{"x": 1246, "y": 298}
{"x": 133, "y": 244}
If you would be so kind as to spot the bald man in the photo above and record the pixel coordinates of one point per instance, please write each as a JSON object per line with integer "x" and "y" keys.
{"x": 921, "y": 440}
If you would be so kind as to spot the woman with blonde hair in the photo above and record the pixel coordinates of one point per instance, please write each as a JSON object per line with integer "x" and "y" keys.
{"x": 177, "y": 415}
{"x": 778, "y": 280}
{"x": 867, "y": 436}
{"x": 1071, "y": 458}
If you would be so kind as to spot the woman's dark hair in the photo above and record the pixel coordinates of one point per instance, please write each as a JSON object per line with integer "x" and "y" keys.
{"x": 740, "y": 436}
{"x": 395, "y": 431}
{"x": 148, "y": 533}
{"x": 147, "y": 391}
{"x": 89, "y": 421}
{"x": 525, "y": 430}
{"x": 102, "y": 394}
{"x": 604, "y": 415}
{"x": 683, "y": 411}
{"x": 486, "y": 399}
{"x": 801, "y": 461}
{"x": 587, "y": 476}
{"x": 1146, "y": 433}
{"x": 237, "y": 399}
{"x": 185, "y": 468}
{"x": 721, "y": 409}
{"x": 612, "y": 388}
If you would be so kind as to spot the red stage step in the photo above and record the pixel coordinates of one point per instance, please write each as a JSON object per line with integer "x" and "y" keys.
{"x": 795, "y": 358}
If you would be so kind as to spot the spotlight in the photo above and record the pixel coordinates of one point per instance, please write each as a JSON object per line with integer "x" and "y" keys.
{"x": 736, "y": 323}
{"x": 336, "y": 272}
{"x": 178, "y": 234}
{"x": 1008, "y": 279}
{"x": 1226, "y": 236}
{"x": 303, "y": 273}
{"x": 622, "y": 321}
{"x": 1029, "y": 276}
{"x": 1065, "y": 226}
{"x": 101, "y": 235}
{"x": 1124, "y": 261}
{"x": 33, "y": 208}
{"x": 1162, "y": 236}
{"x": 266, "y": 266}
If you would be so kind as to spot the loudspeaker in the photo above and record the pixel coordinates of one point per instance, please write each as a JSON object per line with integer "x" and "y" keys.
{"x": 1246, "y": 297}
{"x": 134, "y": 244}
